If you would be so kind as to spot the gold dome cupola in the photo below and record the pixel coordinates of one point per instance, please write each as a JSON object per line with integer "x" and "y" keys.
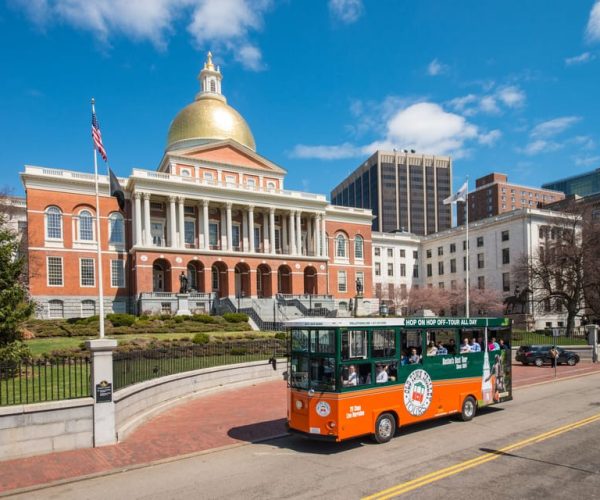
{"x": 209, "y": 118}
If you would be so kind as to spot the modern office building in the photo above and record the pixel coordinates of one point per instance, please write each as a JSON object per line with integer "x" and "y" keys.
{"x": 405, "y": 191}
{"x": 582, "y": 184}
{"x": 494, "y": 195}
{"x": 215, "y": 212}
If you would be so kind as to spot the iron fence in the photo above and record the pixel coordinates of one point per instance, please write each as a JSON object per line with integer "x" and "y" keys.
{"x": 138, "y": 366}
{"x": 40, "y": 380}
{"x": 546, "y": 337}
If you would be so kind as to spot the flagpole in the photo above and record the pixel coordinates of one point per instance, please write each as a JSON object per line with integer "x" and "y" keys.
{"x": 468, "y": 262}
{"x": 98, "y": 239}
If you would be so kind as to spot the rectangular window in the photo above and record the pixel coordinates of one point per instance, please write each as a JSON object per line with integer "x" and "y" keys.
{"x": 56, "y": 309}
{"x": 213, "y": 234}
{"x": 415, "y": 254}
{"x": 277, "y": 239}
{"x": 235, "y": 237}
{"x": 377, "y": 251}
{"x": 402, "y": 269}
{"x": 55, "y": 271}
{"x": 189, "y": 228}
{"x": 116, "y": 229}
{"x": 156, "y": 206}
{"x": 464, "y": 244}
{"x": 479, "y": 241}
{"x": 257, "y": 239}
{"x": 416, "y": 271}
{"x": 188, "y": 210}
{"x": 481, "y": 282}
{"x": 453, "y": 284}
{"x": 402, "y": 253}
{"x": 452, "y": 247}
{"x": 86, "y": 272}
{"x": 342, "y": 282}
{"x": 506, "y": 282}
{"x": 440, "y": 268}
{"x": 452, "y": 265}
{"x": 377, "y": 269}
{"x": 506, "y": 256}
{"x": 465, "y": 263}
{"x": 390, "y": 269}
{"x": 251, "y": 183}
{"x": 480, "y": 261}
{"x": 208, "y": 176}
{"x": 117, "y": 273}
{"x": 429, "y": 271}
{"x": 158, "y": 234}
{"x": 440, "y": 250}
{"x": 390, "y": 252}
{"x": 429, "y": 254}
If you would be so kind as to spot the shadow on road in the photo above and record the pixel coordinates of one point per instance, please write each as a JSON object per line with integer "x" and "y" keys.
{"x": 512, "y": 455}
{"x": 270, "y": 433}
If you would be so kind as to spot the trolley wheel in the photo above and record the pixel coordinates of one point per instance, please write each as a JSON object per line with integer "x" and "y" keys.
{"x": 385, "y": 428}
{"x": 469, "y": 409}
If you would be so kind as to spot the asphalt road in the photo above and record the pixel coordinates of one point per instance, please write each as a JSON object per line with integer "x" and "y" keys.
{"x": 544, "y": 444}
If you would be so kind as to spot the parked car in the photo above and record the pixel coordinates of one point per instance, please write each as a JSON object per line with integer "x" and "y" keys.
{"x": 539, "y": 355}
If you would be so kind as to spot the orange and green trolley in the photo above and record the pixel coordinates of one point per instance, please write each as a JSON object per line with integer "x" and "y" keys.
{"x": 350, "y": 377}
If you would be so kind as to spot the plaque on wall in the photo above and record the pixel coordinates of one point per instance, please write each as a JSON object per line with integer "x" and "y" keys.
{"x": 103, "y": 392}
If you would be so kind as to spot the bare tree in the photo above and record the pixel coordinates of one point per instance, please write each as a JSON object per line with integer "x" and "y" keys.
{"x": 482, "y": 302}
{"x": 435, "y": 299}
{"x": 555, "y": 271}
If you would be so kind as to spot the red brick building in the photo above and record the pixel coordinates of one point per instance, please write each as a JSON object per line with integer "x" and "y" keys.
{"x": 494, "y": 195}
{"x": 215, "y": 210}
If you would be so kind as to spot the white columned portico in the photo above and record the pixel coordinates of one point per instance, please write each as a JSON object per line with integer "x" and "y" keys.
{"x": 137, "y": 217}
{"x": 181, "y": 220}
{"x": 318, "y": 235}
{"x": 284, "y": 235}
{"x": 147, "y": 232}
{"x": 292, "y": 234}
{"x": 272, "y": 247}
{"x": 310, "y": 227}
{"x": 265, "y": 234}
{"x": 172, "y": 222}
{"x": 229, "y": 230}
{"x": 251, "y": 227}
{"x": 298, "y": 233}
{"x": 245, "y": 231}
{"x": 205, "y": 226}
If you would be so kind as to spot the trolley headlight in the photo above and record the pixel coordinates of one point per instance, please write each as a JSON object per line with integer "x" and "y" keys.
{"x": 331, "y": 424}
{"x": 298, "y": 404}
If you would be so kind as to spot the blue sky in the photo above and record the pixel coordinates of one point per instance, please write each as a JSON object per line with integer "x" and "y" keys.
{"x": 506, "y": 86}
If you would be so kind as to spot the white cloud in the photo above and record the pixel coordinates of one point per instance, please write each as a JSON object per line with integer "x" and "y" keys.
{"x": 541, "y": 146}
{"x": 216, "y": 24}
{"x": 509, "y": 96}
{"x": 338, "y": 152}
{"x": 490, "y": 138}
{"x": 580, "y": 59}
{"x": 346, "y": 11}
{"x": 512, "y": 96}
{"x": 436, "y": 68}
{"x": 587, "y": 161}
{"x": 584, "y": 142}
{"x": 592, "y": 31}
{"x": 554, "y": 127}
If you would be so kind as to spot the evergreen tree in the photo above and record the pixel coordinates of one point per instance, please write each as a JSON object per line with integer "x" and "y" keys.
{"x": 15, "y": 305}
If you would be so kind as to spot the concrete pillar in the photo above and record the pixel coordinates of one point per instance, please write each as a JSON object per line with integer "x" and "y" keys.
{"x": 310, "y": 249}
{"x": 245, "y": 231}
{"x": 318, "y": 235}
{"x": 137, "y": 218}
{"x": 199, "y": 225}
{"x": 265, "y": 235}
{"x": 284, "y": 235}
{"x": 229, "y": 230}
{"x": 105, "y": 430}
{"x": 292, "y": 234}
{"x": 172, "y": 223}
{"x": 223, "y": 229}
{"x": 298, "y": 233}
{"x": 205, "y": 225}
{"x": 147, "y": 231}
{"x": 272, "y": 230}
{"x": 251, "y": 227}
{"x": 181, "y": 220}
{"x": 592, "y": 331}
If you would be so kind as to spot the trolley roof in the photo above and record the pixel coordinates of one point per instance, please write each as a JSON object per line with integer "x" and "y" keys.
{"x": 425, "y": 322}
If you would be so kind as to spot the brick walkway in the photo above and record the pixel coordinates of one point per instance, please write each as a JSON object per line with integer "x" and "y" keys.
{"x": 220, "y": 419}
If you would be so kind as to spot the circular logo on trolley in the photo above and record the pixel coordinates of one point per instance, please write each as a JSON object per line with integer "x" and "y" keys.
{"x": 323, "y": 409}
{"x": 418, "y": 390}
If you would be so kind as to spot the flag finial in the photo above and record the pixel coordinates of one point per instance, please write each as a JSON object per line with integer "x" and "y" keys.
{"x": 93, "y": 101}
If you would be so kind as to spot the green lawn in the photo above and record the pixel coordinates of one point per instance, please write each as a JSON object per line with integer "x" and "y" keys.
{"x": 47, "y": 345}
{"x": 521, "y": 337}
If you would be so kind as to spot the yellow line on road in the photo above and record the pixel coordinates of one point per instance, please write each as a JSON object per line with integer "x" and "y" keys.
{"x": 432, "y": 477}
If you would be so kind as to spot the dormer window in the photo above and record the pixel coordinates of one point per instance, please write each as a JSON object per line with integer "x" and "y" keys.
{"x": 213, "y": 86}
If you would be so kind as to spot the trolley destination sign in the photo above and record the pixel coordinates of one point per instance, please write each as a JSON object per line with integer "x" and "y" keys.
{"x": 422, "y": 322}
{"x": 456, "y": 322}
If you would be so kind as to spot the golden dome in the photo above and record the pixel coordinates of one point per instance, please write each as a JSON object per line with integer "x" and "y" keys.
{"x": 209, "y": 117}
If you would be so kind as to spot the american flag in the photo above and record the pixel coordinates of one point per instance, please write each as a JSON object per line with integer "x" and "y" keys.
{"x": 97, "y": 136}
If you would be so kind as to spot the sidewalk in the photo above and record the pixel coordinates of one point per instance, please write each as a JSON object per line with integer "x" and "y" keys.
{"x": 227, "y": 418}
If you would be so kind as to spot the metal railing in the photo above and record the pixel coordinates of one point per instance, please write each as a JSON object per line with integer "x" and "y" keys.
{"x": 39, "y": 380}
{"x": 138, "y": 366}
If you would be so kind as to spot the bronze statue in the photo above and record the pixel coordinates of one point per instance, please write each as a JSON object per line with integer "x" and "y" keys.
{"x": 519, "y": 298}
{"x": 183, "y": 283}
{"x": 359, "y": 287}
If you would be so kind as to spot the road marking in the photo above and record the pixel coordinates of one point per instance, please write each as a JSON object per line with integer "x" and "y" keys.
{"x": 432, "y": 477}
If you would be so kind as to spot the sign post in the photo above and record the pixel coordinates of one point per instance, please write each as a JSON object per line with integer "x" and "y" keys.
{"x": 555, "y": 335}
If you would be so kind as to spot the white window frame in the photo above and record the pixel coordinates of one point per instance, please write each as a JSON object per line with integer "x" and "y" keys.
{"x": 339, "y": 238}
{"x": 61, "y": 224}
{"x": 81, "y": 259}
{"x": 56, "y": 301}
{"x": 112, "y": 218}
{"x": 87, "y": 302}
{"x": 239, "y": 234}
{"x": 79, "y": 239}
{"x": 120, "y": 284}
{"x": 344, "y": 282}
{"x": 359, "y": 243}
{"x": 251, "y": 182}
{"x": 187, "y": 221}
{"x": 62, "y": 271}
{"x": 185, "y": 172}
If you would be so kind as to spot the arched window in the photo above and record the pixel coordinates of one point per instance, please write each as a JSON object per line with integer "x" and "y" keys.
{"x": 213, "y": 86}
{"x": 54, "y": 223}
{"x": 116, "y": 228}
{"x": 56, "y": 309}
{"x": 359, "y": 248}
{"x": 86, "y": 226}
{"x": 88, "y": 308}
{"x": 341, "y": 247}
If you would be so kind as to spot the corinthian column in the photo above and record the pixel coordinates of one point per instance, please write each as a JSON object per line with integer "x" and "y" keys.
{"x": 172, "y": 223}
{"x": 229, "y": 231}
{"x": 251, "y": 227}
{"x": 137, "y": 216}
{"x": 205, "y": 225}
{"x": 272, "y": 231}
{"x": 181, "y": 202}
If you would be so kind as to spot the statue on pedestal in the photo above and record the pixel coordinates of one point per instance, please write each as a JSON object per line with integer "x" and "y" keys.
{"x": 183, "y": 283}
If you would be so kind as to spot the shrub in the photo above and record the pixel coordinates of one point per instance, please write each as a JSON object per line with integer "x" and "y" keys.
{"x": 204, "y": 318}
{"x": 179, "y": 319}
{"x": 120, "y": 319}
{"x": 201, "y": 338}
{"x": 11, "y": 355}
{"x": 238, "y": 351}
{"x": 235, "y": 317}
{"x": 281, "y": 336}
{"x": 164, "y": 317}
